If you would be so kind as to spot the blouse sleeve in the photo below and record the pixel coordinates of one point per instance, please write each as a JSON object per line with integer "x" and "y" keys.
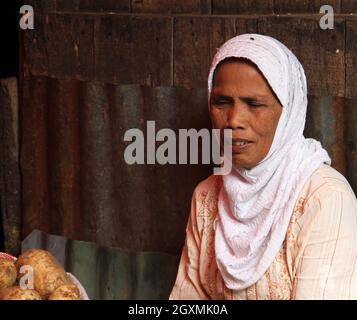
{"x": 187, "y": 285}
{"x": 326, "y": 268}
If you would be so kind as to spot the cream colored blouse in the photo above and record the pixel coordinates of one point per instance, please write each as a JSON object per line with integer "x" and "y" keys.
{"x": 316, "y": 261}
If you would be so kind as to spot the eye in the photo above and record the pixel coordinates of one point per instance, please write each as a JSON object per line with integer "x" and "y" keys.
{"x": 254, "y": 104}
{"x": 221, "y": 103}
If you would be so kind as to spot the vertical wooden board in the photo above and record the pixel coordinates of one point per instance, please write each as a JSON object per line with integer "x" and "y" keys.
{"x": 42, "y": 7}
{"x": 33, "y": 42}
{"x": 196, "y": 40}
{"x": 171, "y": 6}
{"x": 105, "y": 5}
{"x": 351, "y": 58}
{"x": 242, "y": 7}
{"x": 351, "y": 142}
{"x": 321, "y": 52}
{"x": 67, "y": 5}
{"x": 348, "y": 6}
{"x": 34, "y": 48}
{"x": 70, "y": 50}
{"x": 10, "y": 178}
{"x": 90, "y": 5}
{"x": 304, "y": 6}
{"x": 125, "y": 54}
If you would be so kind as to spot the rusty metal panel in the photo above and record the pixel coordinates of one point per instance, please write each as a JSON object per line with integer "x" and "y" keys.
{"x": 10, "y": 179}
{"x": 325, "y": 122}
{"x": 77, "y": 184}
{"x": 75, "y": 180}
{"x": 351, "y": 141}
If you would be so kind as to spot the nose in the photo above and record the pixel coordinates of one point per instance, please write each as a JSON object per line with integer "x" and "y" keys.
{"x": 237, "y": 116}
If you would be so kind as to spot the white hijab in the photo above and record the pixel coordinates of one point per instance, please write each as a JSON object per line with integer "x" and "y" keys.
{"x": 255, "y": 205}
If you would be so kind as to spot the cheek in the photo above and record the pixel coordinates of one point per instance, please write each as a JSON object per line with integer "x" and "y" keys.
{"x": 266, "y": 126}
{"x": 218, "y": 119}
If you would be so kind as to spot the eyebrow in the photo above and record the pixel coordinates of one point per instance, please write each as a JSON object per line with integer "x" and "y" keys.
{"x": 245, "y": 98}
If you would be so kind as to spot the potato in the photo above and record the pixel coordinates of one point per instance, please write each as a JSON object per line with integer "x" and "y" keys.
{"x": 66, "y": 292}
{"x": 48, "y": 274}
{"x": 8, "y": 273}
{"x": 16, "y": 293}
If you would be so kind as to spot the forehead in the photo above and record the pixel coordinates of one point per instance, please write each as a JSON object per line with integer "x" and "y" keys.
{"x": 240, "y": 75}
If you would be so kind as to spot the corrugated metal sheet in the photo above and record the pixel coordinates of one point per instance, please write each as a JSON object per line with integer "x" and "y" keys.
{"x": 77, "y": 184}
{"x": 10, "y": 189}
{"x": 111, "y": 273}
{"x": 75, "y": 180}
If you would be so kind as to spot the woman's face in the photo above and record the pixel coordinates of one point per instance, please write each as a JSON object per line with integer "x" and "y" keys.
{"x": 242, "y": 100}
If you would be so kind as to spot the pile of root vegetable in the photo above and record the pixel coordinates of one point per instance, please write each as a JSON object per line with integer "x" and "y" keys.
{"x": 50, "y": 280}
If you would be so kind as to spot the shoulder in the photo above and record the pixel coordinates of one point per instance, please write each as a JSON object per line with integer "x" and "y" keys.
{"x": 326, "y": 181}
{"x": 326, "y": 198}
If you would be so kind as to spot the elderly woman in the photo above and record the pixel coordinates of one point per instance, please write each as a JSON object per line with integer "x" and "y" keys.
{"x": 283, "y": 223}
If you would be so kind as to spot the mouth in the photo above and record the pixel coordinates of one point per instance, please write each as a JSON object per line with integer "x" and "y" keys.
{"x": 240, "y": 145}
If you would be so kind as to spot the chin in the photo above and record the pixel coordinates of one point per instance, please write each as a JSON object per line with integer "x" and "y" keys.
{"x": 241, "y": 163}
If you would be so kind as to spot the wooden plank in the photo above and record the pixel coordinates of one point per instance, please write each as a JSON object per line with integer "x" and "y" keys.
{"x": 105, "y": 5}
{"x": 34, "y": 49}
{"x": 172, "y": 6}
{"x": 60, "y": 46}
{"x": 304, "y": 6}
{"x": 42, "y": 7}
{"x": 70, "y": 48}
{"x": 67, "y": 5}
{"x": 90, "y": 5}
{"x": 196, "y": 40}
{"x": 242, "y": 7}
{"x": 125, "y": 54}
{"x": 321, "y": 52}
{"x": 351, "y": 58}
{"x": 349, "y": 6}
{"x": 10, "y": 179}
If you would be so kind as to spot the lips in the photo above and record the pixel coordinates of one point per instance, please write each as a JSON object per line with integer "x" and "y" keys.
{"x": 240, "y": 141}
{"x": 239, "y": 145}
